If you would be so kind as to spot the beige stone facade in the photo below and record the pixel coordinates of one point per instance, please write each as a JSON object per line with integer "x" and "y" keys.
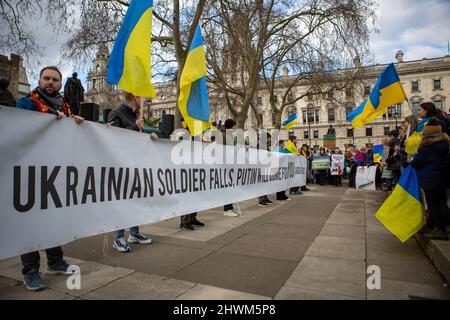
{"x": 422, "y": 80}
{"x": 13, "y": 70}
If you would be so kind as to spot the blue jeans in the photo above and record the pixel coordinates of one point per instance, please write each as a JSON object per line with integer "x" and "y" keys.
{"x": 120, "y": 234}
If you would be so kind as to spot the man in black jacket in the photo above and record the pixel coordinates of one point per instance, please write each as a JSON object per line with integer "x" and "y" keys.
{"x": 127, "y": 116}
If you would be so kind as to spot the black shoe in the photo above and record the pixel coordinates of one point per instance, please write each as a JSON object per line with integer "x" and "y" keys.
{"x": 186, "y": 226}
{"x": 304, "y": 188}
{"x": 197, "y": 223}
{"x": 270, "y": 202}
{"x": 263, "y": 204}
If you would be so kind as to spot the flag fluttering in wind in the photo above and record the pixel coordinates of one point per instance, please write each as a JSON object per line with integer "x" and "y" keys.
{"x": 130, "y": 61}
{"x": 387, "y": 91}
{"x": 403, "y": 212}
{"x": 193, "y": 101}
{"x": 412, "y": 143}
{"x": 378, "y": 153}
{"x": 290, "y": 122}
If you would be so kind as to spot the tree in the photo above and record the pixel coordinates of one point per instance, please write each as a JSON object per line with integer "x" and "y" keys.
{"x": 249, "y": 43}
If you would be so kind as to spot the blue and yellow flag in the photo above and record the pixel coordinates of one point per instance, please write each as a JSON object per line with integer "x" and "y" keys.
{"x": 291, "y": 148}
{"x": 412, "y": 143}
{"x": 193, "y": 100}
{"x": 290, "y": 122}
{"x": 387, "y": 91}
{"x": 130, "y": 61}
{"x": 403, "y": 212}
{"x": 378, "y": 153}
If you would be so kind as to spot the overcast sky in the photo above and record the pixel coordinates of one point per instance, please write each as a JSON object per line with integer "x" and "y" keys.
{"x": 420, "y": 28}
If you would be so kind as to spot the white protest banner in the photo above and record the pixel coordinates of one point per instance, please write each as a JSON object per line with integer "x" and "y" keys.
{"x": 337, "y": 164}
{"x": 61, "y": 181}
{"x": 365, "y": 178}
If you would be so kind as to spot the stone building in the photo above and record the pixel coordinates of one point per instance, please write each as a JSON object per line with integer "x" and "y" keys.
{"x": 422, "y": 80}
{"x": 13, "y": 70}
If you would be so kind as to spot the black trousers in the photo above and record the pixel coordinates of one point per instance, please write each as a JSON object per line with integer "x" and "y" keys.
{"x": 437, "y": 207}
{"x": 228, "y": 207}
{"x": 30, "y": 261}
{"x": 262, "y": 198}
{"x": 322, "y": 177}
{"x": 281, "y": 195}
{"x": 188, "y": 218}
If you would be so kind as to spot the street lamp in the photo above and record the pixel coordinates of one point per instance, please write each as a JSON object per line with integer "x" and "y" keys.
{"x": 396, "y": 119}
{"x": 308, "y": 109}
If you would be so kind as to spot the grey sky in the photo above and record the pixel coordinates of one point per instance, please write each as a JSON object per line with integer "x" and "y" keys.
{"x": 419, "y": 28}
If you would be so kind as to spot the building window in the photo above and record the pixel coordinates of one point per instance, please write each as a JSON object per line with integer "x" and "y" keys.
{"x": 306, "y": 134}
{"x": 415, "y": 86}
{"x": 350, "y": 133}
{"x": 386, "y": 131}
{"x": 395, "y": 112}
{"x": 94, "y": 84}
{"x": 304, "y": 116}
{"x": 437, "y": 84}
{"x": 259, "y": 101}
{"x": 317, "y": 115}
{"x": 438, "y": 104}
{"x": 290, "y": 97}
{"x": 415, "y": 108}
{"x": 331, "y": 115}
{"x": 275, "y": 99}
{"x": 330, "y": 94}
{"x": 368, "y": 132}
{"x": 310, "y": 115}
{"x": 348, "y": 92}
{"x": 367, "y": 90}
{"x": 316, "y": 134}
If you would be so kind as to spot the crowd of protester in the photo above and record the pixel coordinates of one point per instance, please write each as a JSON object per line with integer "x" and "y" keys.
{"x": 432, "y": 163}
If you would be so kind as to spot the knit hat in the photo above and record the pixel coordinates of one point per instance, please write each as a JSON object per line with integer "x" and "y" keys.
{"x": 432, "y": 128}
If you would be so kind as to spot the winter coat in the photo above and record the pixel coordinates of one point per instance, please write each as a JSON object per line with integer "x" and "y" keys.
{"x": 432, "y": 164}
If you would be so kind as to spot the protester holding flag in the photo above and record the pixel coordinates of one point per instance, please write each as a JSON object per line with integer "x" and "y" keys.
{"x": 432, "y": 163}
{"x": 291, "y": 147}
{"x": 281, "y": 148}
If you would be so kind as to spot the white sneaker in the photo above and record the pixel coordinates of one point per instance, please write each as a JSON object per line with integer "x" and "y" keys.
{"x": 230, "y": 213}
{"x": 139, "y": 238}
{"x": 121, "y": 246}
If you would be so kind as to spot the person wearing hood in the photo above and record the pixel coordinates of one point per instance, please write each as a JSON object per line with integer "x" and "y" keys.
{"x": 432, "y": 163}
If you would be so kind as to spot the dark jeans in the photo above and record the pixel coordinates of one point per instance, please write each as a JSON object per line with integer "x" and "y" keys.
{"x": 437, "y": 207}
{"x": 228, "y": 207}
{"x": 322, "y": 177}
{"x": 281, "y": 195}
{"x": 188, "y": 218}
{"x": 30, "y": 261}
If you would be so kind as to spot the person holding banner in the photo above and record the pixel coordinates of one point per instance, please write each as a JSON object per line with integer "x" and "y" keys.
{"x": 281, "y": 148}
{"x": 127, "y": 116}
{"x": 46, "y": 98}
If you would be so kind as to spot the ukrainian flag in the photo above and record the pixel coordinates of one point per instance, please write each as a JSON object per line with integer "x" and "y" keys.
{"x": 412, "y": 143}
{"x": 387, "y": 91}
{"x": 378, "y": 153}
{"x": 403, "y": 212}
{"x": 193, "y": 100}
{"x": 290, "y": 146}
{"x": 290, "y": 122}
{"x": 130, "y": 61}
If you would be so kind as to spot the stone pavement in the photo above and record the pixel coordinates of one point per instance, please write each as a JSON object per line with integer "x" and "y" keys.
{"x": 317, "y": 246}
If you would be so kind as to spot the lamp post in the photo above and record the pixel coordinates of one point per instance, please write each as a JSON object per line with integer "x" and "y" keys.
{"x": 396, "y": 119}
{"x": 309, "y": 123}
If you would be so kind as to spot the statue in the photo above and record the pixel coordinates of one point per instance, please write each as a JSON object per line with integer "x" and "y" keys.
{"x": 6, "y": 97}
{"x": 331, "y": 130}
{"x": 74, "y": 93}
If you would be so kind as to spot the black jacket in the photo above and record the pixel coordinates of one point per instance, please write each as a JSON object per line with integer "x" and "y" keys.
{"x": 432, "y": 164}
{"x": 123, "y": 117}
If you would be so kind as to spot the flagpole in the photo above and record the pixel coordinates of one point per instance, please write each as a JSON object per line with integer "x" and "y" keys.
{"x": 141, "y": 110}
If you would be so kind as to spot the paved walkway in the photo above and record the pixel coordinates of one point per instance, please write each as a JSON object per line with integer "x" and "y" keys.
{"x": 317, "y": 246}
